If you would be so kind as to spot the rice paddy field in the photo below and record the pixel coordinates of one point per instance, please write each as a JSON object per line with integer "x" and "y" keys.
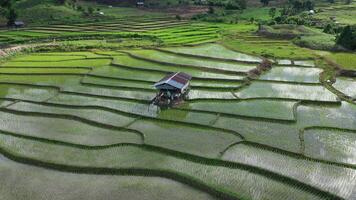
{"x": 80, "y": 124}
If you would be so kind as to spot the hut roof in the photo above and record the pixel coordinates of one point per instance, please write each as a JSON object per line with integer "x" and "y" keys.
{"x": 178, "y": 80}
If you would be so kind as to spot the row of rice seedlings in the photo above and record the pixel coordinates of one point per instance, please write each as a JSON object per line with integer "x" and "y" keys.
{"x": 106, "y": 118}
{"x": 172, "y": 59}
{"x": 45, "y": 58}
{"x": 346, "y": 86}
{"x": 301, "y": 63}
{"x": 192, "y": 140}
{"x": 187, "y": 116}
{"x": 272, "y": 109}
{"x": 70, "y": 63}
{"x": 287, "y": 91}
{"x": 341, "y": 116}
{"x": 26, "y": 92}
{"x": 5, "y": 103}
{"x": 238, "y": 182}
{"x": 292, "y": 74}
{"x": 56, "y": 80}
{"x": 115, "y": 82}
{"x": 85, "y": 54}
{"x": 127, "y": 73}
{"x": 278, "y": 135}
{"x": 332, "y": 145}
{"x": 186, "y": 34}
{"x": 23, "y": 33}
{"x": 50, "y": 70}
{"x": 196, "y": 94}
{"x": 332, "y": 178}
{"x": 58, "y": 185}
{"x": 191, "y": 40}
{"x": 214, "y": 51}
{"x": 64, "y": 129}
{"x": 129, "y": 61}
{"x": 119, "y": 93}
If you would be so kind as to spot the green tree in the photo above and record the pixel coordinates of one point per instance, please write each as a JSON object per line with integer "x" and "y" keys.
{"x": 11, "y": 17}
{"x": 90, "y": 10}
{"x": 272, "y": 12}
{"x": 347, "y": 38}
{"x": 265, "y": 2}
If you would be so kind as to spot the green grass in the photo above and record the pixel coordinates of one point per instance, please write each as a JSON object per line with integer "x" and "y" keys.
{"x": 345, "y": 60}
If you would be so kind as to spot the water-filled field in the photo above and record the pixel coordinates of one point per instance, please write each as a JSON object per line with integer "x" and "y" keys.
{"x": 86, "y": 118}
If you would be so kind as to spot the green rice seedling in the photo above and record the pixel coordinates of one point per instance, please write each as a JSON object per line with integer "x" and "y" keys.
{"x": 287, "y": 91}
{"x": 293, "y": 74}
{"x": 99, "y": 91}
{"x": 26, "y": 92}
{"x": 58, "y": 184}
{"x": 90, "y": 114}
{"x": 332, "y": 145}
{"x": 214, "y": 51}
{"x": 187, "y": 116}
{"x": 71, "y": 63}
{"x": 335, "y": 179}
{"x": 45, "y": 58}
{"x": 215, "y": 178}
{"x": 50, "y": 70}
{"x": 128, "y": 61}
{"x": 81, "y": 54}
{"x": 195, "y": 94}
{"x": 42, "y": 79}
{"x": 5, "y": 103}
{"x": 216, "y": 84}
{"x": 280, "y": 135}
{"x": 115, "y": 104}
{"x": 128, "y": 73}
{"x": 265, "y": 108}
{"x": 346, "y": 85}
{"x": 188, "y": 61}
{"x": 340, "y": 116}
{"x": 64, "y": 129}
{"x": 192, "y": 140}
{"x": 112, "y": 82}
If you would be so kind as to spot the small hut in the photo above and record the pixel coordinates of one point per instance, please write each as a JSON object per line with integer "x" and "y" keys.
{"x": 19, "y": 24}
{"x": 172, "y": 88}
{"x": 140, "y": 3}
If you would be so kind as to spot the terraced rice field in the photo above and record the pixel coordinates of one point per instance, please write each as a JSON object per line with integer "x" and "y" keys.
{"x": 164, "y": 30}
{"x": 84, "y": 121}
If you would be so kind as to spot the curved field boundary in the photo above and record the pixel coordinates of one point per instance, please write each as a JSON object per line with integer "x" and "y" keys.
{"x": 288, "y": 153}
{"x": 165, "y": 72}
{"x": 8, "y": 109}
{"x": 302, "y": 134}
{"x": 180, "y": 65}
{"x": 74, "y": 59}
{"x": 287, "y": 82}
{"x": 205, "y": 57}
{"x": 194, "y": 182}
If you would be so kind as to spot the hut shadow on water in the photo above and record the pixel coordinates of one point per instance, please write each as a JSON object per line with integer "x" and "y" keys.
{"x": 172, "y": 90}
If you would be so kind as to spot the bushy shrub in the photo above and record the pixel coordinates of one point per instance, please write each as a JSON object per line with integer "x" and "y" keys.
{"x": 347, "y": 38}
